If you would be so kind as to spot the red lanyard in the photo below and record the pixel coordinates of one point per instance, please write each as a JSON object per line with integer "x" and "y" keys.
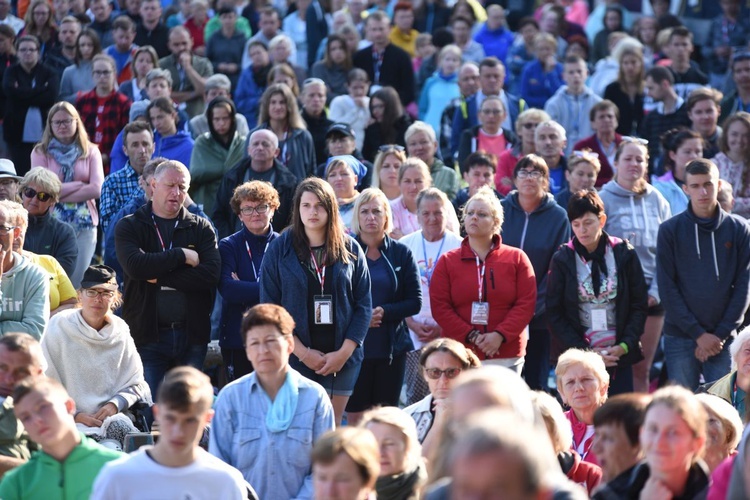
{"x": 320, "y": 272}
{"x": 480, "y": 276}
{"x": 158, "y": 233}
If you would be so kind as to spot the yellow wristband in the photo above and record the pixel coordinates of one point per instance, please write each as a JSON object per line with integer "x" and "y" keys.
{"x": 624, "y": 347}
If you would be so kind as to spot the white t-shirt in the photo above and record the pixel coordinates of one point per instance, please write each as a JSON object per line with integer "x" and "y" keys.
{"x": 428, "y": 249}
{"x": 138, "y": 476}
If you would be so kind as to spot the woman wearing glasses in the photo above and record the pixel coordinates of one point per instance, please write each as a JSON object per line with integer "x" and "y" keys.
{"x": 488, "y": 136}
{"x": 597, "y": 297}
{"x": 66, "y": 151}
{"x": 441, "y": 361}
{"x": 484, "y": 293}
{"x": 254, "y": 203}
{"x": 79, "y": 342}
{"x": 104, "y": 111}
{"x": 635, "y": 210}
{"x": 536, "y": 224}
{"x": 526, "y": 124}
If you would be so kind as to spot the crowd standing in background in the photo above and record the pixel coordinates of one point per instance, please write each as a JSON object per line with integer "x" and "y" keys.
{"x": 436, "y": 249}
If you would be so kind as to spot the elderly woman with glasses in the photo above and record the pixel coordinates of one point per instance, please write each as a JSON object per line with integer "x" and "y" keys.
{"x": 596, "y": 293}
{"x": 79, "y": 342}
{"x": 46, "y": 234}
{"x": 66, "y": 151}
{"x": 526, "y": 124}
{"x": 255, "y": 204}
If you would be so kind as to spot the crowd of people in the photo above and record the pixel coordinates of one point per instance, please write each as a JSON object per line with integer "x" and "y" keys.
{"x": 341, "y": 249}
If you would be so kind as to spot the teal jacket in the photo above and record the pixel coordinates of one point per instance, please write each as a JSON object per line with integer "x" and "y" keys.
{"x": 43, "y": 477}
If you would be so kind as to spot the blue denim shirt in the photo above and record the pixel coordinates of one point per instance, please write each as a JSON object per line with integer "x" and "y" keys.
{"x": 277, "y": 465}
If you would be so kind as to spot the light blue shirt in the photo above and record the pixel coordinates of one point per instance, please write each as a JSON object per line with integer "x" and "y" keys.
{"x": 277, "y": 465}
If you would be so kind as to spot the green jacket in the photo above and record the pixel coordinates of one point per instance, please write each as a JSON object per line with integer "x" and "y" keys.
{"x": 43, "y": 477}
{"x": 14, "y": 442}
{"x": 208, "y": 164}
{"x": 444, "y": 178}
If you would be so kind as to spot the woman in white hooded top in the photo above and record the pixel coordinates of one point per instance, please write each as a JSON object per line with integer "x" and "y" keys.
{"x": 635, "y": 210}
{"x": 89, "y": 350}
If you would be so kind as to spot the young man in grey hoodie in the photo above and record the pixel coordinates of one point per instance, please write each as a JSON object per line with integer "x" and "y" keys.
{"x": 703, "y": 271}
{"x": 571, "y": 104}
{"x": 24, "y": 286}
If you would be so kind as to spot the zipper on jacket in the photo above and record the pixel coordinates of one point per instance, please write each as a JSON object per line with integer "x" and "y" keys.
{"x": 525, "y": 228}
{"x": 492, "y": 277}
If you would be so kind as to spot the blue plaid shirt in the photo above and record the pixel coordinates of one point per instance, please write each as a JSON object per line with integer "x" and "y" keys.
{"x": 117, "y": 189}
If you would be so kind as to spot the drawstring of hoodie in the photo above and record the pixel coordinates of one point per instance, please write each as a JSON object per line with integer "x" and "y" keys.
{"x": 645, "y": 215}
{"x": 632, "y": 211}
{"x": 713, "y": 247}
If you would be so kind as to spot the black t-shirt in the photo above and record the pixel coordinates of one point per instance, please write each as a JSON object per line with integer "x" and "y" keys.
{"x": 171, "y": 304}
{"x": 322, "y": 337}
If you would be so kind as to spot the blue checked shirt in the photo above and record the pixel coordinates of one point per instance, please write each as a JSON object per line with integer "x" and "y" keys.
{"x": 117, "y": 189}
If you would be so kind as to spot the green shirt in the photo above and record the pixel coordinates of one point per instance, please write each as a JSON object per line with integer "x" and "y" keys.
{"x": 43, "y": 477}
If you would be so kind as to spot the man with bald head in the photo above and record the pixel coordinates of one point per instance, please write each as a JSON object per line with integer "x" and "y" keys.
{"x": 189, "y": 72}
{"x": 261, "y": 164}
{"x": 171, "y": 266}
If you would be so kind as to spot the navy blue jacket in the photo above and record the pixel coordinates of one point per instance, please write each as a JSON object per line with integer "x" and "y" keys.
{"x": 283, "y": 282}
{"x": 407, "y": 294}
{"x": 703, "y": 271}
{"x": 239, "y": 295}
{"x": 539, "y": 234}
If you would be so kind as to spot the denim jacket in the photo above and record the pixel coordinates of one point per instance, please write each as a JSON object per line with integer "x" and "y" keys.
{"x": 277, "y": 465}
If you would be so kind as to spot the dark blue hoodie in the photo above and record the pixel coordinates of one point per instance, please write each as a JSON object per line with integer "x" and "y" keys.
{"x": 703, "y": 271}
{"x": 539, "y": 234}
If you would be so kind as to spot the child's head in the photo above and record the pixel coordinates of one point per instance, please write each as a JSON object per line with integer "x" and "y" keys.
{"x": 45, "y": 409}
{"x": 578, "y": 45}
{"x": 479, "y": 170}
{"x": 123, "y": 33}
{"x": 424, "y": 46}
{"x": 575, "y": 73}
{"x": 583, "y": 169}
{"x": 726, "y": 197}
{"x": 449, "y": 59}
{"x": 528, "y": 27}
{"x": 357, "y": 82}
{"x": 183, "y": 408}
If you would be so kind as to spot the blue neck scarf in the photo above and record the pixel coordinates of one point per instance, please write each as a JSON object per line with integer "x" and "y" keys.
{"x": 284, "y": 406}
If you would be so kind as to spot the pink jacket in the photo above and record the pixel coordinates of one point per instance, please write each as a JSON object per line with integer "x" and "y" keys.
{"x": 88, "y": 178}
{"x": 579, "y": 431}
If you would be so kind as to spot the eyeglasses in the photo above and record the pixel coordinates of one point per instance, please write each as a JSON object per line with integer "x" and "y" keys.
{"x": 62, "y": 123}
{"x": 391, "y": 147}
{"x": 637, "y": 140}
{"x": 530, "y": 125}
{"x": 41, "y": 196}
{"x": 529, "y": 174}
{"x": 6, "y": 229}
{"x": 496, "y": 112}
{"x": 93, "y": 293}
{"x": 99, "y": 74}
{"x": 28, "y": 49}
{"x": 436, "y": 373}
{"x": 260, "y": 210}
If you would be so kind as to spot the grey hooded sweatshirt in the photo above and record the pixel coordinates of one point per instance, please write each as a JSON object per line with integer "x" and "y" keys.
{"x": 636, "y": 218}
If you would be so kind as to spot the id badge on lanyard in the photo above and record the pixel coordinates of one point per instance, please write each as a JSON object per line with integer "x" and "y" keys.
{"x": 322, "y": 304}
{"x": 480, "y": 310}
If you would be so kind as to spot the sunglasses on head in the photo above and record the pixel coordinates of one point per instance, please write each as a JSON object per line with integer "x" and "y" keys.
{"x": 637, "y": 140}
{"x": 41, "y": 196}
{"x": 391, "y": 147}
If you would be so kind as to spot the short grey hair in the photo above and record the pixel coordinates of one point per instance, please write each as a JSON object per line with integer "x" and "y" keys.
{"x": 217, "y": 81}
{"x": 551, "y": 124}
{"x": 734, "y": 349}
{"x": 157, "y": 73}
{"x": 420, "y": 126}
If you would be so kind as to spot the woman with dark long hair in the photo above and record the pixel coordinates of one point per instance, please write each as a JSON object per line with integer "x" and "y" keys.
{"x": 78, "y": 77}
{"x": 335, "y": 66}
{"x": 389, "y": 122}
{"x": 681, "y": 146}
{"x": 319, "y": 274}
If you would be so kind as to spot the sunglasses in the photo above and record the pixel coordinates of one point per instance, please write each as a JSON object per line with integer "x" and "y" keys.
{"x": 586, "y": 154}
{"x": 436, "y": 373}
{"x": 41, "y": 196}
{"x": 391, "y": 147}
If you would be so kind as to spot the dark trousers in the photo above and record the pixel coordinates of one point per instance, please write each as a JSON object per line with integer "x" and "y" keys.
{"x": 537, "y": 366}
{"x": 20, "y": 153}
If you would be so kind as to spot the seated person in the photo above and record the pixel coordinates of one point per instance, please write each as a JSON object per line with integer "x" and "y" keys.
{"x": 92, "y": 332}
{"x": 45, "y": 409}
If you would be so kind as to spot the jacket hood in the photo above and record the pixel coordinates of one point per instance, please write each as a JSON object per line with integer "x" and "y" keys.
{"x": 563, "y": 91}
{"x": 173, "y": 140}
{"x": 19, "y": 264}
{"x": 615, "y": 189}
